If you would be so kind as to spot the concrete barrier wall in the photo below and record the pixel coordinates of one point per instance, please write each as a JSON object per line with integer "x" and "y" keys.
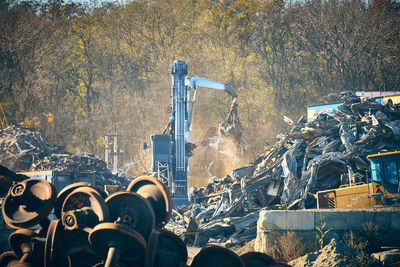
{"x": 273, "y": 223}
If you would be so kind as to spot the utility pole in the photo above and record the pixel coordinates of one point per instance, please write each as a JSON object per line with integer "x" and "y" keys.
{"x": 111, "y": 151}
{"x": 115, "y": 165}
{"x": 106, "y": 150}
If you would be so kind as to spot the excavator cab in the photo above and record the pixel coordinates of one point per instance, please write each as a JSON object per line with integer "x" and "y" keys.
{"x": 382, "y": 188}
{"x": 385, "y": 170}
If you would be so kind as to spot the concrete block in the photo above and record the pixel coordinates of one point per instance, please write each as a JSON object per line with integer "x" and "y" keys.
{"x": 273, "y": 223}
{"x": 279, "y": 220}
{"x": 331, "y": 219}
{"x": 382, "y": 219}
{"x": 262, "y": 243}
{"x": 301, "y": 220}
{"x": 273, "y": 220}
{"x": 395, "y": 221}
{"x": 353, "y": 220}
{"x": 340, "y": 219}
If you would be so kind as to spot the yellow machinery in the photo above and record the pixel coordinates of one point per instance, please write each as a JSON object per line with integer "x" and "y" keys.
{"x": 381, "y": 189}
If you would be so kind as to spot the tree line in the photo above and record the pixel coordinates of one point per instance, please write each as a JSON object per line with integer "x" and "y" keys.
{"x": 76, "y": 71}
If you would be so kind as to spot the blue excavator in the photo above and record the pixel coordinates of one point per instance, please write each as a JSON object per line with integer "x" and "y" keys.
{"x": 171, "y": 150}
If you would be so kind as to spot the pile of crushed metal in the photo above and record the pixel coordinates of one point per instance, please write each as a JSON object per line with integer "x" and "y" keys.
{"x": 312, "y": 156}
{"x": 27, "y": 150}
{"x": 20, "y": 147}
{"x": 78, "y": 164}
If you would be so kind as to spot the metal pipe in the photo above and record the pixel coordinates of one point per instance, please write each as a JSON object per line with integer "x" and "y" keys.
{"x": 113, "y": 256}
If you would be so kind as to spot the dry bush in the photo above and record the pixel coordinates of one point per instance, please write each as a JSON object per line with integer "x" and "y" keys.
{"x": 363, "y": 243}
{"x": 366, "y": 240}
{"x": 370, "y": 233}
{"x": 289, "y": 247}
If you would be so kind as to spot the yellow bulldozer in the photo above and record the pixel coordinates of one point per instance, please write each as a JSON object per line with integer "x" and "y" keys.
{"x": 382, "y": 186}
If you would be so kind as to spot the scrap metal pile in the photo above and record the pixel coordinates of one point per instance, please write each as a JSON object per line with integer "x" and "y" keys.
{"x": 27, "y": 150}
{"x": 94, "y": 229}
{"x": 20, "y": 147}
{"x": 78, "y": 164}
{"x": 312, "y": 156}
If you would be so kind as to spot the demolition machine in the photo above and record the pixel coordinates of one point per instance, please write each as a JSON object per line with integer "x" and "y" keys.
{"x": 171, "y": 150}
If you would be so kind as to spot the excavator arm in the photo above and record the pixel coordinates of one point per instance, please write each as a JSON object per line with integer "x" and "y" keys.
{"x": 172, "y": 148}
{"x": 194, "y": 82}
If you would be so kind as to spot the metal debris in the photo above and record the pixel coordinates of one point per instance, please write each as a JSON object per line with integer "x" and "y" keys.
{"x": 232, "y": 126}
{"x": 78, "y": 164}
{"x": 310, "y": 157}
{"x": 20, "y": 147}
{"x": 27, "y": 150}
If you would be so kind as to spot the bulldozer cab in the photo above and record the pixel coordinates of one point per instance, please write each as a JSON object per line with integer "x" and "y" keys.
{"x": 385, "y": 170}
